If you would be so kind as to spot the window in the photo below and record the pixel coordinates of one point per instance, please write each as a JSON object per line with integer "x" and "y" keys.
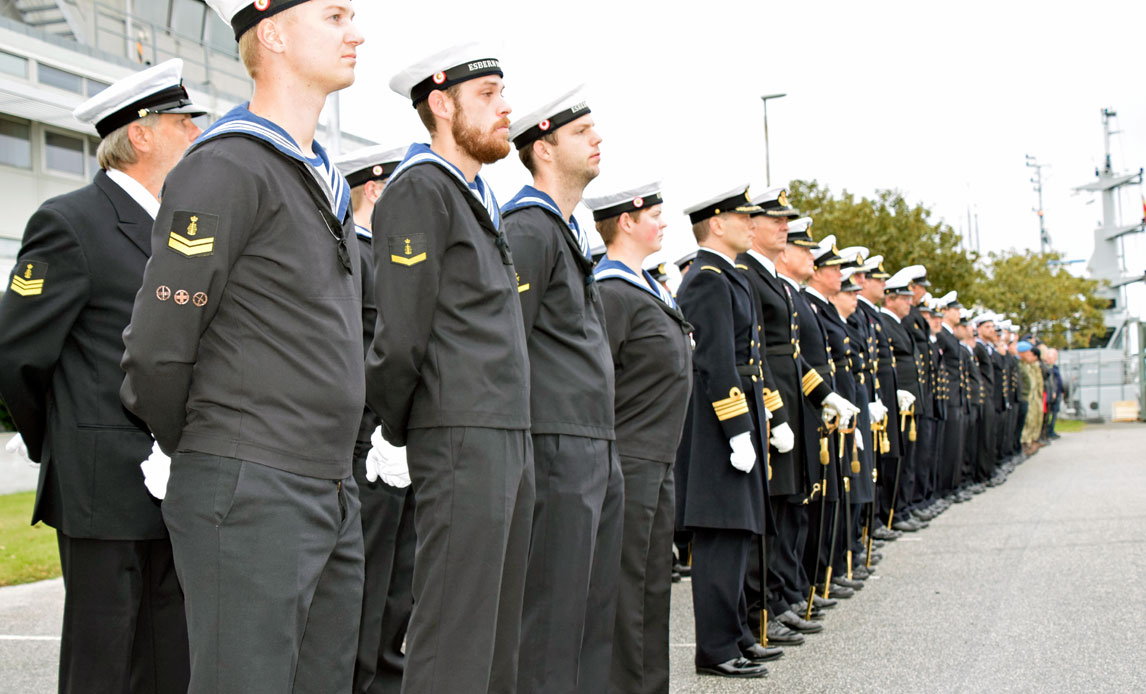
{"x": 219, "y": 35}
{"x": 93, "y": 163}
{"x": 13, "y": 65}
{"x": 95, "y": 86}
{"x": 63, "y": 153}
{"x": 56, "y": 77}
{"x": 15, "y": 144}
{"x": 153, "y": 11}
{"x": 187, "y": 18}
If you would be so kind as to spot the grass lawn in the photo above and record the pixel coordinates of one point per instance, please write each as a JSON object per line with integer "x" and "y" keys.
{"x": 27, "y": 553}
{"x": 1069, "y": 426}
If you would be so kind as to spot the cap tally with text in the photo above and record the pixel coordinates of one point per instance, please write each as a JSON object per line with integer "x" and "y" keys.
{"x": 548, "y": 118}
{"x": 374, "y": 163}
{"x": 443, "y": 70}
{"x": 244, "y": 14}
{"x": 774, "y": 203}
{"x": 826, "y": 254}
{"x": 736, "y": 200}
{"x": 899, "y": 283}
{"x": 616, "y": 204}
{"x": 157, "y": 89}
{"x": 917, "y": 274}
{"x": 800, "y": 233}
{"x": 848, "y": 282}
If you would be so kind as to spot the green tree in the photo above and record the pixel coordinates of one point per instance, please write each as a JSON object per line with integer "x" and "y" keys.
{"x": 888, "y": 225}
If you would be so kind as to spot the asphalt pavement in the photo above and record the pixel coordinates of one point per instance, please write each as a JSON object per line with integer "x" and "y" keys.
{"x": 1035, "y": 586}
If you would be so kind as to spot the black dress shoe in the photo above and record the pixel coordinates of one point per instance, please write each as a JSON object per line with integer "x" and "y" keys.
{"x": 798, "y": 624}
{"x": 676, "y": 577}
{"x": 838, "y": 591}
{"x": 761, "y": 654}
{"x": 906, "y": 526}
{"x": 843, "y": 582}
{"x": 820, "y": 602}
{"x": 737, "y": 667}
{"x": 682, "y": 569}
{"x": 782, "y": 635}
{"x": 861, "y": 573}
{"x": 884, "y": 534}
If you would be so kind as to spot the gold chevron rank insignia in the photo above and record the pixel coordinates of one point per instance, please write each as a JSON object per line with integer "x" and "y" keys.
{"x": 193, "y": 233}
{"x": 734, "y": 405}
{"x": 407, "y": 249}
{"x": 28, "y": 278}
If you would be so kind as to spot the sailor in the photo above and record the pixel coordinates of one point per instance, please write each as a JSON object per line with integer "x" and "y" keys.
{"x": 244, "y": 358}
{"x": 719, "y": 464}
{"x": 927, "y": 504}
{"x": 576, "y": 546}
{"x": 896, "y": 308}
{"x": 68, "y": 300}
{"x": 448, "y": 374}
{"x": 650, "y": 343}
{"x": 387, "y": 499}
{"x": 968, "y": 485}
{"x": 984, "y": 325}
{"x": 958, "y": 398}
{"x": 784, "y": 370}
{"x": 824, "y": 341}
{"x": 917, "y": 480}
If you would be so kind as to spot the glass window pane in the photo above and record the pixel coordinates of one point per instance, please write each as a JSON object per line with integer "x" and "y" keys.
{"x": 154, "y": 11}
{"x": 95, "y": 86}
{"x": 219, "y": 35}
{"x": 15, "y": 144}
{"x": 13, "y": 64}
{"x": 59, "y": 78}
{"x": 93, "y": 163}
{"x": 187, "y": 18}
{"x": 63, "y": 153}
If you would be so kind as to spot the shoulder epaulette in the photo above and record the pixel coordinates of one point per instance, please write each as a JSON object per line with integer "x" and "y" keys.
{"x": 713, "y": 268}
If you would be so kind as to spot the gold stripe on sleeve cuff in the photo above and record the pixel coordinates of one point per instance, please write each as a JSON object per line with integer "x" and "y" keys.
{"x": 732, "y": 406}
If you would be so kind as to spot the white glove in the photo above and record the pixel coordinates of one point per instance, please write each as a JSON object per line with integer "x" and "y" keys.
{"x": 836, "y": 406}
{"x": 743, "y": 456}
{"x": 859, "y": 439}
{"x": 906, "y": 400}
{"x": 877, "y": 411}
{"x": 387, "y": 462}
{"x": 782, "y": 438}
{"x": 768, "y": 412}
{"x": 16, "y": 448}
{"x": 156, "y": 471}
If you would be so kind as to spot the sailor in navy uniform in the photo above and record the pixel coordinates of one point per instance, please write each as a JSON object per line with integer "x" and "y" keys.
{"x": 915, "y": 478}
{"x": 893, "y": 316}
{"x": 651, "y": 346}
{"x": 387, "y": 502}
{"x": 955, "y": 425}
{"x": 68, "y": 300}
{"x": 720, "y": 463}
{"x": 448, "y": 375}
{"x": 578, "y": 513}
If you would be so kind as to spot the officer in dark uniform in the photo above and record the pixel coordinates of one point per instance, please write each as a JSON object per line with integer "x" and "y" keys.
{"x": 926, "y": 503}
{"x": 895, "y": 311}
{"x": 387, "y": 504}
{"x": 578, "y": 512}
{"x": 958, "y": 400}
{"x": 68, "y": 301}
{"x": 244, "y": 356}
{"x": 448, "y": 374}
{"x": 926, "y": 413}
{"x": 984, "y": 327}
{"x": 651, "y": 348}
{"x": 718, "y": 462}
{"x": 967, "y": 484}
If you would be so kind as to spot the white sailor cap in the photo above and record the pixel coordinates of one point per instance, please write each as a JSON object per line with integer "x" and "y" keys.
{"x": 244, "y": 14}
{"x": 158, "y": 89}
{"x": 948, "y": 300}
{"x": 825, "y": 253}
{"x": 616, "y": 204}
{"x": 774, "y": 203}
{"x": 597, "y": 252}
{"x": 854, "y": 256}
{"x": 374, "y": 163}
{"x": 965, "y": 315}
{"x": 986, "y": 317}
{"x": 1006, "y": 325}
{"x": 443, "y": 70}
{"x": 848, "y": 283}
{"x": 549, "y": 117}
{"x": 873, "y": 266}
{"x": 800, "y": 234}
{"x": 900, "y": 282}
{"x": 735, "y": 200}
{"x": 917, "y": 274}
{"x": 686, "y": 259}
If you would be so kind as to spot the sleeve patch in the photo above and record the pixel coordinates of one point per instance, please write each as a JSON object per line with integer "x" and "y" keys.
{"x": 734, "y": 405}
{"x": 28, "y": 277}
{"x": 407, "y": 250}
{"x": 193, "y": 233}
{"x": 521, "y": 287}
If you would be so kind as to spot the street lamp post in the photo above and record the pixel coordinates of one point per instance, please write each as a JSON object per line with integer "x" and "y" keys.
{"x": 767, "y": 154}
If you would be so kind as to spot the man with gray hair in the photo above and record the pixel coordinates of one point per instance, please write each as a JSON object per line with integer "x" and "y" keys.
{"x": 68, "y": 301}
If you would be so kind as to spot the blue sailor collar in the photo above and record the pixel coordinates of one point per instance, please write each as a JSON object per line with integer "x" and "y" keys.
{"x": 614, "y": 269}
{"x": 241, "y": 120}
{"x": 420, "y": 153}
{"x": 529, "y": 196}
{"x": 363, "y": 232}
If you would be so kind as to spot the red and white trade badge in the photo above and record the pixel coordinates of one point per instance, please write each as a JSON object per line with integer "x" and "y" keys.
{"x": 638, "y": 202}
{"x": 181, "y": 297}
{"x": 439, "y": 77}
{"x": 200, "y": 299}
{"x": 163, "y": 292}
{"x": 262, "y": 5}
{"x": 544, "y": 125}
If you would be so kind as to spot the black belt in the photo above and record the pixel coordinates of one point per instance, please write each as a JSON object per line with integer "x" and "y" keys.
{"x": 750, "y": 370}
{"x": 825, "y": 371}
{"x": 843, "y": 364}
{"x": 788, "y": 350}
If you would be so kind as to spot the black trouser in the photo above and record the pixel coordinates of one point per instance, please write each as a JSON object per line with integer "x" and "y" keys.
{"x": 271, "y": 566}
{"x": 124, "y": 628}
{"x": 574, "y": 566}
{"x": 926, "y": 460}
{"x": 970, "y": 449}
{"x": 951, "y": 456}
{"x": 1020, "y": 423}
{"x": 641, "y": 637}
{"x": 787, "y": 582}
{"x": 985, "y": 464}
{"x": 388, "y": 594}
{"x": 474, "y": 490}
{"x": 719, "y": 562}
{"x": 886, "y": 490}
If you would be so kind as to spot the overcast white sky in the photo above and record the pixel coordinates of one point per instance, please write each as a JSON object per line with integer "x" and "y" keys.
{"x": 939, "y": 100}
